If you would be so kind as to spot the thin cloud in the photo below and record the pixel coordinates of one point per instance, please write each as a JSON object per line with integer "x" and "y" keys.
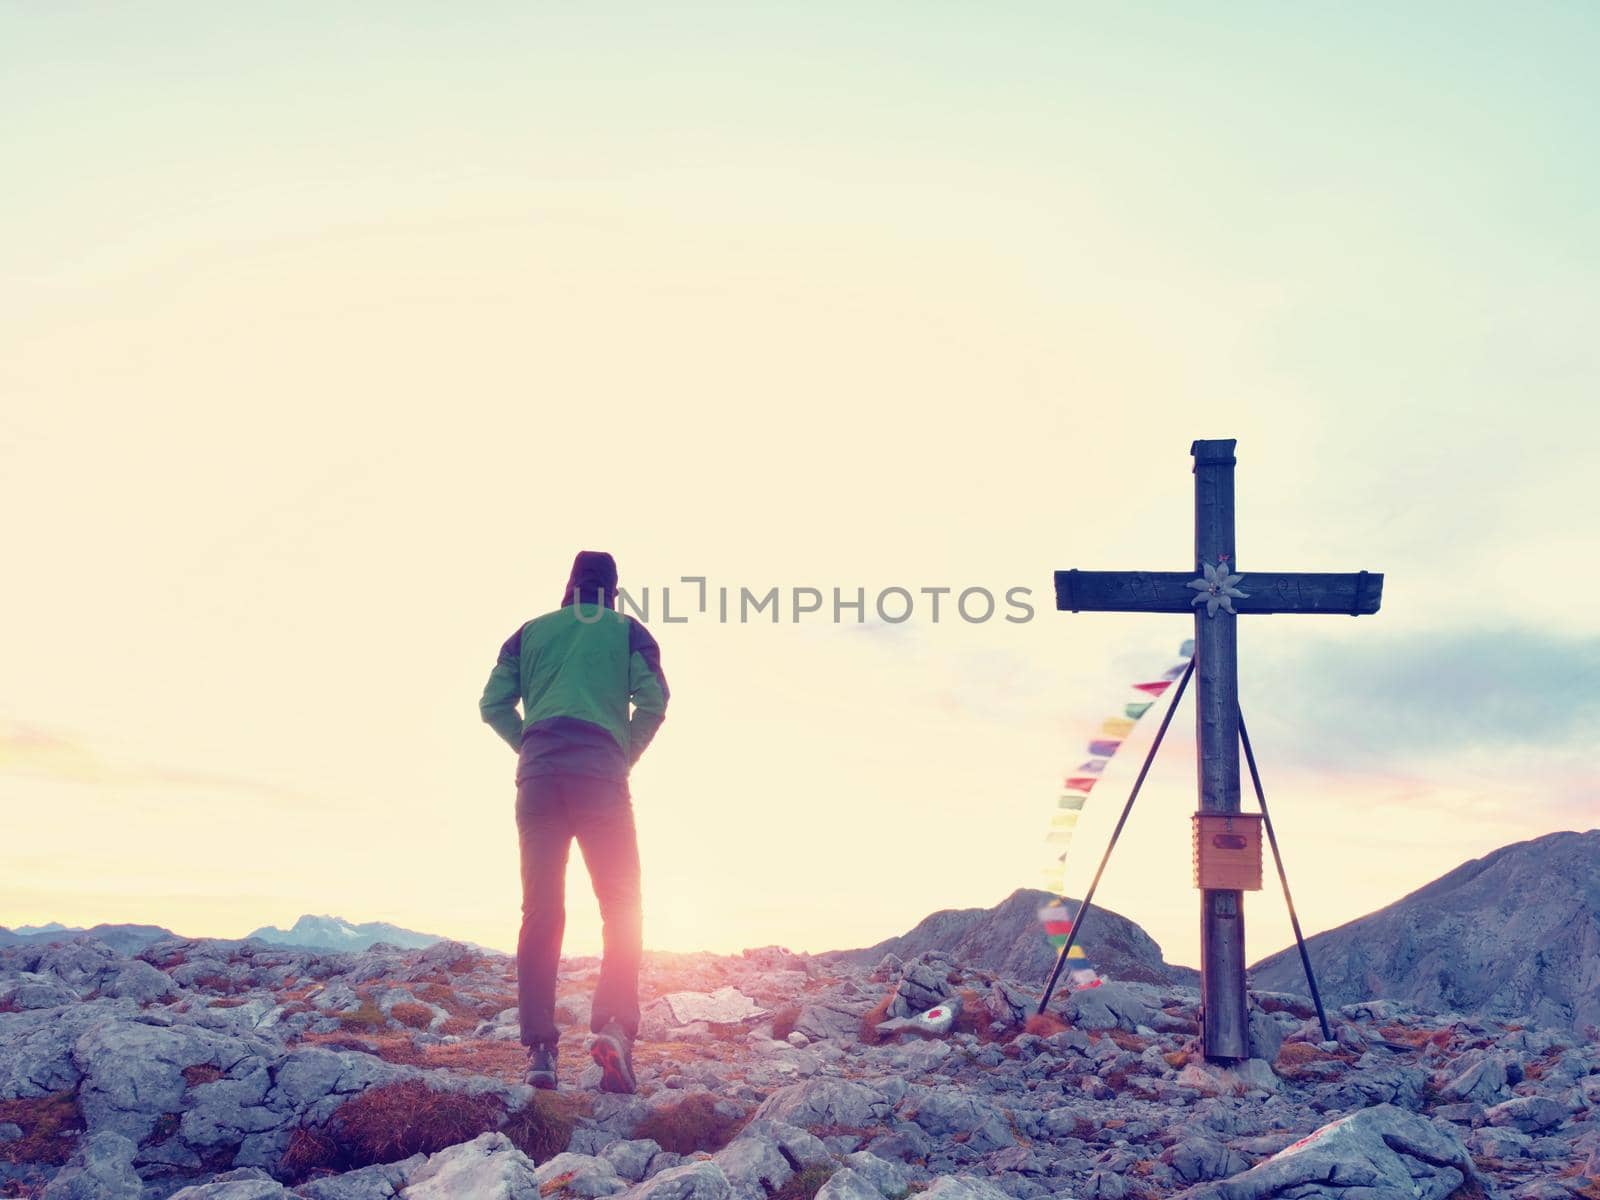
{"x": 1514, "y": 698}
{"x": 34, "y": 752}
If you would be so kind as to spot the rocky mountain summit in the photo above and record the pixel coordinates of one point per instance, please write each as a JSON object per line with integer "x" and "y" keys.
{"x": 214, "y": 1071}
{"x": 336, "y": 933}
{"x": 1514, "y": 935}
{"x": 1006, "y": 939}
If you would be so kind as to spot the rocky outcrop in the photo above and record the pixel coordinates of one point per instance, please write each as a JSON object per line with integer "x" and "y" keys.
{"x": 1513, "y": 935}
{"x": 226, "y": 1071}
{"x": 1007, "y": 940}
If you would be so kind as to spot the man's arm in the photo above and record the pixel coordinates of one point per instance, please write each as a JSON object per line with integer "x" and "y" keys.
{"x": 647, "y": 689}
{"x": 498, "y": 707}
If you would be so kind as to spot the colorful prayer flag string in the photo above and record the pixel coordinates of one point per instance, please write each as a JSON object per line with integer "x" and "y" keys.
{"x": 1064, "y": 817}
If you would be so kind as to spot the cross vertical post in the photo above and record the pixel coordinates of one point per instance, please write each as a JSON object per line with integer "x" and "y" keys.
{"x": 1225, "y": 1011}
{"x": 1225, "y": 1023}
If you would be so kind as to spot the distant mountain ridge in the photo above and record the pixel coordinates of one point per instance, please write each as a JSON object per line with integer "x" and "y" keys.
{"x": 326, "y": 933}
{"x": 125, "y": 939}
{"x": 52, "y": 927}
{"x": 1514, "y": 934}
{"x": 1009, "y": 940}
{"x": 335, "y": 933}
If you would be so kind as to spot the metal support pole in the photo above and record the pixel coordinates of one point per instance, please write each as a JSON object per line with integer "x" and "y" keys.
{"x": 1283, "y": 878}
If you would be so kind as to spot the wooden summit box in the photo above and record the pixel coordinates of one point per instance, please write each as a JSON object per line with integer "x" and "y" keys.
{"x": 1227, "y": 851}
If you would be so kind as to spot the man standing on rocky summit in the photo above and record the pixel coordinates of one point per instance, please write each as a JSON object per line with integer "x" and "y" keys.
{"x": 576, "y": 671}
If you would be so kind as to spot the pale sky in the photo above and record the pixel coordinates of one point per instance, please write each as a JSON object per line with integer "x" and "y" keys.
{"x": 328, "y": 335}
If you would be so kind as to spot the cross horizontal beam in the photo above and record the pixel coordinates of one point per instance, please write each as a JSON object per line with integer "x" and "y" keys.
{"x": 1355, "y": 594}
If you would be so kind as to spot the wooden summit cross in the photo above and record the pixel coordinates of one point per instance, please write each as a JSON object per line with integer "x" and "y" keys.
{"x": 1211, "y": 597}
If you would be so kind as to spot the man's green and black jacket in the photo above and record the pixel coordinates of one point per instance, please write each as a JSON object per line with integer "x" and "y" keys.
{"x": 576, "y": 672}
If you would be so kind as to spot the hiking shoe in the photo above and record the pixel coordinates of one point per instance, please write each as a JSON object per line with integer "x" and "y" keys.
{"x": 542, "y": 1067}
{"x": 612, "y": 1048}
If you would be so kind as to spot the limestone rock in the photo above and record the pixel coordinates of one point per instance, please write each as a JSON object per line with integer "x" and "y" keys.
{"x": 1386, "y": 1150}
{"x": 236, "y": 1185}
{"x": 630, "y": 1158}
{"x": 826, "y": 1102}
{"x": 846, "y": 1184}
{"x": 725, "y": 1006}
{"x": 488, "y": 1167}
{"x": 101, "y": 1168}
{"x": 692, "y": 1181}
{"x": 1527, "y": 1114}
{"x": 578, "y": 1175}
{"x": 754, "y": 1166}
{"x": 29, "y": 990}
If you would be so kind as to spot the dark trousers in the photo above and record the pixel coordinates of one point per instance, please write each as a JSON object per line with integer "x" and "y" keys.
{"x": 551, "y": 811}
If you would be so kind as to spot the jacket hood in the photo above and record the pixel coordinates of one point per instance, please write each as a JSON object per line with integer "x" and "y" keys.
{"x": 594, "y": 574}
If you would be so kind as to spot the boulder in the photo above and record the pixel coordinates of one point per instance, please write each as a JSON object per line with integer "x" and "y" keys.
{"x": 1008, "y": 1005}
{"x": 699, "y": 1180}
{"x": 846, "y": 1184}
{"x": 1527, "y": 1114}
{"x": 822, "y": 1022}
{"x": 140, "y": 982}
{"x": 381, "y": 1182}
{"x": 754, "y": 1166}
{"x": 802, "y": 1148}
{"x": 725, "y": 1006}
{"x": 82, "y": 964}
{"x": 887, "y": 1177}
{"x": 488, "y": 1167}
{"x": 630, "y": 1158}
{"x": 947, "y": 1113}
{"x": 29, "y": 990}
{"x": 133, "y": 1074}
{"x": 1109, "y": 1006}
{"x": 963, "y": 1187}
{"x": 1200, "y": 1158}
{"x": 924, "y": 982}
{"x": 248, "y": 1184}
{"x": 1266, "y": 1035}
{"x": 101, "y": 1168}
{"x": 1384, "y": 1150}
{"x": 816, "y": 1102}
{"x": 578, "y": 1175}
{"x": 36, "y": 1049}
{"x": 1484, "y": 1082}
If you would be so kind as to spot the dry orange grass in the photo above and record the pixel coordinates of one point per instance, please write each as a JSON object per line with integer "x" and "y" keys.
{"x": 976, "y": 1019}
{"x": 412, "y": 1016}
{"x": 873, "y": 1018}
{"x": 50, "y": 1127}
{"x": 1402, "y": 1036}
{"x": 499, "y": 1060}
{"x": 388, "y": 1123}
{"x": 438, "y": 992}
{"x": 367, "y": 1016}
{"x": 1044, "y": 1025}
{"x": 688, "y": 1125}
{"x": 783, "y": 1021}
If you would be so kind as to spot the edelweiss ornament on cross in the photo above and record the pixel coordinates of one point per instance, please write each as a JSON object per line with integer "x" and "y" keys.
{"x": 1216, "y": 587}
{"x": 1224, "y": 1024}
